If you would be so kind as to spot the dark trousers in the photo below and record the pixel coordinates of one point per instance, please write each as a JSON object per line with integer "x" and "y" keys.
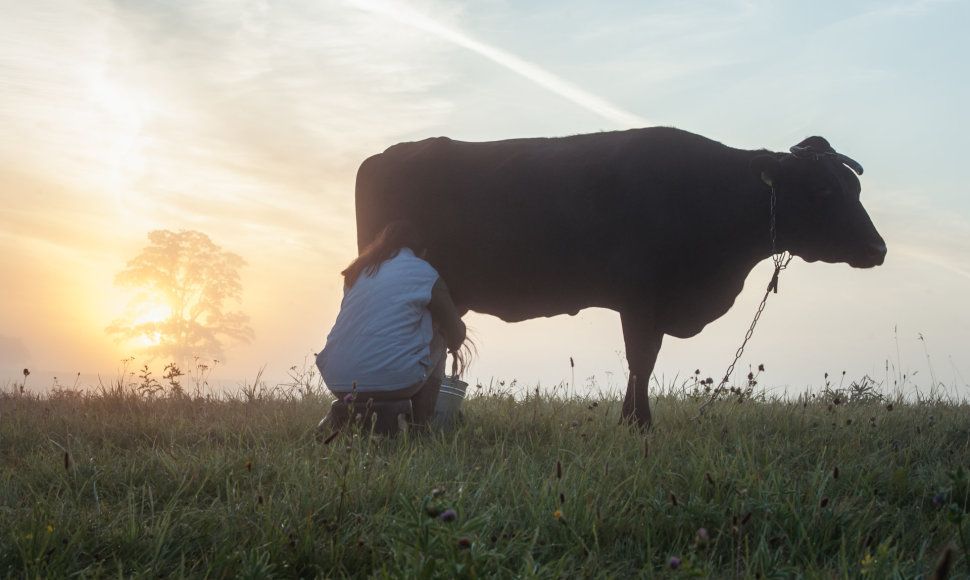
{"x": 424, "y": 394}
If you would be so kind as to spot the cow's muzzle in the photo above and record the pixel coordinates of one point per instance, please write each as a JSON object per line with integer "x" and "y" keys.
{"x": 873, "y": 255}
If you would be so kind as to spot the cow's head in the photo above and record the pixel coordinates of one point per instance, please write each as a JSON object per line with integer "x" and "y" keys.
{"x": 819, "y": 214}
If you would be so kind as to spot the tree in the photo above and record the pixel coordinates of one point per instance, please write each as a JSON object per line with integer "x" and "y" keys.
{"x": 182, "y": 281}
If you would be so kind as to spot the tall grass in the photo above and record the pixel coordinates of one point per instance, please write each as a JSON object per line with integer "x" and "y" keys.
{"x": 840, "y": 484}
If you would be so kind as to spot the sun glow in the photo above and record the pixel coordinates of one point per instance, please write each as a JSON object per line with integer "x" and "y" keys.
{"x": 151, "y": 313}
{"x": 125, "y": 114}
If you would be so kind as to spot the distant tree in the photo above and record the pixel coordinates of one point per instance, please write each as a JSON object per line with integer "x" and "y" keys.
{"x": 181, "y": 282}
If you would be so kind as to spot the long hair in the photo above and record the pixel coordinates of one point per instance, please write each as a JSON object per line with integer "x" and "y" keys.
{"x": 396, "y": 235}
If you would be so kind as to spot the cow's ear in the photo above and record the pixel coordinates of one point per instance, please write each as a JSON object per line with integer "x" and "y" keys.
{"x": 766, "y": 167}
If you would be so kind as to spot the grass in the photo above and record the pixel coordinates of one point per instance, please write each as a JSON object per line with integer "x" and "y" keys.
{"x": 843, "y": 484}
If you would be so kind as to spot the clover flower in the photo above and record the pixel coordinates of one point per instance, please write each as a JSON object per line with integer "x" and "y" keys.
{"x": 449, "y": 515}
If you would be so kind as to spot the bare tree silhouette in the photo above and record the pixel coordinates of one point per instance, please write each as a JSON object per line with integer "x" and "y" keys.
{"x": 181, "y": 282}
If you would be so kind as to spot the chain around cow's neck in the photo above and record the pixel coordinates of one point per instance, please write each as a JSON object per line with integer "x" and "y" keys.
{"x": 781, "y": 260}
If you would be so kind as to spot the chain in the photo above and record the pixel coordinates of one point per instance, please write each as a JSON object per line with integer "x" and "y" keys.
{"x": 781, "y": 261}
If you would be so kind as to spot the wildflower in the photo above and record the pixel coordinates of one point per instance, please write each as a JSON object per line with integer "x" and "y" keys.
{"x": 761, "y": 368}
{"x": 50, "y": 528}
{"x": 249, "y": 465}
{"x": 464, "y": 542}
{"x": 26, "y": 372}
{"x": 824, "y": 502}
{"x": 557, "y": 515}
{"x": 348, "y": 397}
{"x": 674, "y": 562}
{"x": 449, "y": 516}
{"x": 938, "y": 498}
{"x": 702, "y": 533}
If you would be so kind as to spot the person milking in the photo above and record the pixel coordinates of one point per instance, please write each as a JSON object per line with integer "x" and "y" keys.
{"x": 389, "y": 344}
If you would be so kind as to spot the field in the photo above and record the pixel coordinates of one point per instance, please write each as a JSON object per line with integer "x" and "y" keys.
{"x": 128, "y": 483}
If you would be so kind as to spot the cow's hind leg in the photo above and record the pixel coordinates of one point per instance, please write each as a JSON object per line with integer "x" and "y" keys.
{"x": 642, "y": 346}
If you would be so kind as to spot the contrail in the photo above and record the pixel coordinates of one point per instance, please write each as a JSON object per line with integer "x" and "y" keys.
{"x": 408, "y": 16}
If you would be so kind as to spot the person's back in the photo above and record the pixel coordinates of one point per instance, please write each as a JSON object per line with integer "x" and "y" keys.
{"x": 382, "y": 335}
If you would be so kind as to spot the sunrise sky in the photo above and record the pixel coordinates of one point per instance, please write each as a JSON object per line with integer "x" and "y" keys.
{"x": 247, "y": 120}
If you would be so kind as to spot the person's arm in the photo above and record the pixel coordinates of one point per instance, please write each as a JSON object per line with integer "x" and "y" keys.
{"x": 445, "y": 315}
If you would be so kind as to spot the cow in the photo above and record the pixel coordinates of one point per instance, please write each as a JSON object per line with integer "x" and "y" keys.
{"x": 658, "y": 224}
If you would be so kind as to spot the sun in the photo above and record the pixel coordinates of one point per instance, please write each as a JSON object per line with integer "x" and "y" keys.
{"x": 151, "y": 312}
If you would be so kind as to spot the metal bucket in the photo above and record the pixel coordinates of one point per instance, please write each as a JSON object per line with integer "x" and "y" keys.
{"x": 450, "y": 396}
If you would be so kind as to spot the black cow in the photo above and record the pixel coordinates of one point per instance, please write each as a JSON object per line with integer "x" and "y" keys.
{"x": 659, "y": 224}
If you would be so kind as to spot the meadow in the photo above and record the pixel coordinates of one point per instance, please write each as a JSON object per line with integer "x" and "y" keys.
{"x": 149, "y": 483}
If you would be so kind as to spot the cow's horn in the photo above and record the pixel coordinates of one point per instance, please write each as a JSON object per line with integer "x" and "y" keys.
{"x": 803, "y": 151}
{"x": 850, "y": 163}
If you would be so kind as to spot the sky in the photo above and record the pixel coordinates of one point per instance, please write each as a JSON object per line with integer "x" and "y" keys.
{"x": 247, "y": 120}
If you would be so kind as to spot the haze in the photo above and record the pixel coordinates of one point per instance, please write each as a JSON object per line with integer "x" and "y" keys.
{"x": 247, "y": 121}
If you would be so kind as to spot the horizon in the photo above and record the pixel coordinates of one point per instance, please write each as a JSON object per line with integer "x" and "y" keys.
{"x": 248, "y": 122}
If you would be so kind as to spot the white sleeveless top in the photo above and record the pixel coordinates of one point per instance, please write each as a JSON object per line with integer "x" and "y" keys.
{"x": 383, "y": 331}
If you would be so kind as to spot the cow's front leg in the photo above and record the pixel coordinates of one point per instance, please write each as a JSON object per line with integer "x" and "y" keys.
{"x": 642, "y": 341}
